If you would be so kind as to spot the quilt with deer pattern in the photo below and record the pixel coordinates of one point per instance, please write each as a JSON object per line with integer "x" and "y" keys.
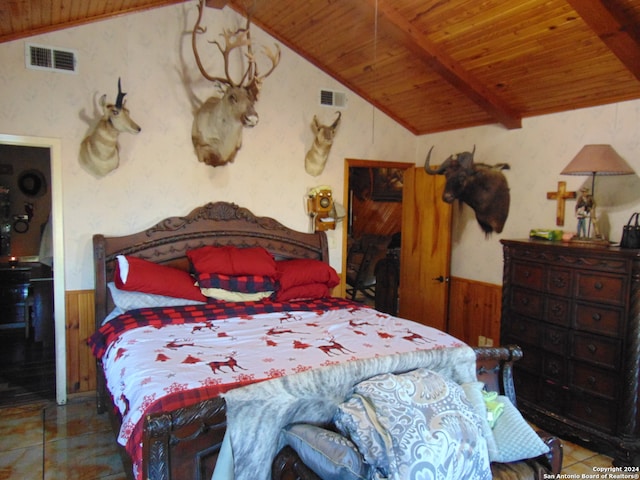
{"x": 159, "y": 359}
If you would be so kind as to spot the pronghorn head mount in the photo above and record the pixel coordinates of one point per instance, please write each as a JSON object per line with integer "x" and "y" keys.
{"x": 99, "y": 151}
{"x": 317, "y": 156}
{"x": 217, "y": 125}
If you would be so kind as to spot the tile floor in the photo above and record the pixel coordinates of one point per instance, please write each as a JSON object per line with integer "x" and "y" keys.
{"x": 46, "y": 442}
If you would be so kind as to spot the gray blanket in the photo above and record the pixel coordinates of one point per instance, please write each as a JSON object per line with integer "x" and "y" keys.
{"x": 256, "y": 413}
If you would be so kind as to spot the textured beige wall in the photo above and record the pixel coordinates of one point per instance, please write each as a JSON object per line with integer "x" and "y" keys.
{"x": 537, "y": 153}
{"x": 159, "y": 174}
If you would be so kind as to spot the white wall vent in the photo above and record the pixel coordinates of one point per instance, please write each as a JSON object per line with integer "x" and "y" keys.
{"x": 39, "y": 57}
{"x": 331, "y": 98}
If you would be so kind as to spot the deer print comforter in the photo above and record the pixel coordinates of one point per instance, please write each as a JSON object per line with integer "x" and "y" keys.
{"x": 159, "y": 359}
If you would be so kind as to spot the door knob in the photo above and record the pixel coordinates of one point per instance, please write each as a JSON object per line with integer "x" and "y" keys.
{"x": 441, "y": 279}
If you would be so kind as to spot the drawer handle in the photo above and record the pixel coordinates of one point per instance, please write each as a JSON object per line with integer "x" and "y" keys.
{"x": 592, "y": 348}
{"x": 591, "y": 380}
{"x": 598, "y": 285}
{"x": 524, "y": 301}
{"x": 554, "y": 338}
{"x": 526, "y": 274}
{"x": 558, "y": 282}
{"x": 557, "y": 309}
{"x": 596, "y": 317}
{"x": 588, "y": 409}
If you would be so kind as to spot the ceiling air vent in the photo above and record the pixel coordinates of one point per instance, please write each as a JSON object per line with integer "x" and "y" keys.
{"x": 39, "y": 57}
{"x": 331, "y": 98}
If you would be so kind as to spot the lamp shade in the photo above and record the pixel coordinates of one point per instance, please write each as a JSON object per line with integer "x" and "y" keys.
{"x": 597, "y": 160}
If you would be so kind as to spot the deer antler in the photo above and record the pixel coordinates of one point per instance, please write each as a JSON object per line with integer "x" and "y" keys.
{"x": 232, "y": 40}
{"x": 236, "y": 39}
{"x": 255, "y": 83}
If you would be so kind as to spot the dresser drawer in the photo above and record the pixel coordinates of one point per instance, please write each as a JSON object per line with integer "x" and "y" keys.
{"x": 523, "y": 331}
{"x": 527, "y": 302}
{"x": 554, "y": 369}
{"x": 599, "y": 319}
{"x": 600, "y": 288}
{"x": 597, "y": 350}
{"x": 559, "y": 282}
{"x": 554, "y": 339}
{"x": 528, "y": 275}
{"x": 552, "y": 396}
{"x": 526, "y": 384}
{"x": 592, "y": 411}
{"x": 592, "y": 379}
{"x": 557, "y": 311}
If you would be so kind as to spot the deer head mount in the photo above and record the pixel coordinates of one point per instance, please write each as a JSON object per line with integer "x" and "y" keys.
{"x": 318, "y": 154}
{"x": 99, "y": 151}
{"x": 217, "y": 125}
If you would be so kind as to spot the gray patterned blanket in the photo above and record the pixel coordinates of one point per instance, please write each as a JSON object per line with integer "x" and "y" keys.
{"x": 256, "y": 413}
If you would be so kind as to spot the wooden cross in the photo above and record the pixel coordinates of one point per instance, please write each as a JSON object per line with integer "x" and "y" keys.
{"x": 561, "y": 195}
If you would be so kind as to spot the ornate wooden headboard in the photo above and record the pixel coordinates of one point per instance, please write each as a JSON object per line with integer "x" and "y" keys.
{"x": 218, "y": 224}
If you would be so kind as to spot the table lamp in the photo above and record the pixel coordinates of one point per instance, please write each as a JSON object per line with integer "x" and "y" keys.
{"x": 594, "y": 160}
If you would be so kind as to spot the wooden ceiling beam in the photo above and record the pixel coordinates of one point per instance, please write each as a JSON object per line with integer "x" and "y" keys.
{"x": 444, "y": 65}
{"x": 612, "y": 28}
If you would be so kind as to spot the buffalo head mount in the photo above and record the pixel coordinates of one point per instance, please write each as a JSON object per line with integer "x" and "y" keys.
{"x": 217, "y": 125}
{"x": 483, "y": 187}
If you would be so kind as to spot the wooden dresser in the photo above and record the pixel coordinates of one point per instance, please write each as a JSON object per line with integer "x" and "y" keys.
{"x": 575, "y": 312}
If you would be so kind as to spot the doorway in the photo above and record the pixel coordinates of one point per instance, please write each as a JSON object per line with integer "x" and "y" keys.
{"x": 372, "y": 232}
{"x": 33, "y": 169}
{"x": 425, "y": 250}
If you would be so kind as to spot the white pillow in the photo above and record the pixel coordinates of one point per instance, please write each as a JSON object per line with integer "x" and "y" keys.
{"x": 512, "y": 439}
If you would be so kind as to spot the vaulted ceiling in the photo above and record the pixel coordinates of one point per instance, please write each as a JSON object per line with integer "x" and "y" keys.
{"x": 432, "y": 65}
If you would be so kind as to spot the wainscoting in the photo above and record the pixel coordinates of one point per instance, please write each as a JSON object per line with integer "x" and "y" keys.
{"x": 81, "y": 365}
{"x": 474, "y": 311}
{"x": 474, "y": 317}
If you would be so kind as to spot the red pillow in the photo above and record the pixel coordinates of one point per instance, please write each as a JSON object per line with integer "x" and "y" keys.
{"x": 231, "y": 260}
{"x": 148, "y": 277}
{"x": 310, "y": 291}
{"x": 305, "y": 272}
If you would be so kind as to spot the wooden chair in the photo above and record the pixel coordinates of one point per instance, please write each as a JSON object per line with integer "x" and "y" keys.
{"x": 362, "y": 258}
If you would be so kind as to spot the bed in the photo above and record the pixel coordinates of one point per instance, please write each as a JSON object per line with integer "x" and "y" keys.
{"x": 203, "y": 393}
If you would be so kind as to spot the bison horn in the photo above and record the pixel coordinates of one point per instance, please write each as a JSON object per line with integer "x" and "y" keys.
{"x": 434, "y": 171}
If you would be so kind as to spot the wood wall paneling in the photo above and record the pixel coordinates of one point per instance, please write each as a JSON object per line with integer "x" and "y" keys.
{"x": 474, "y": 311}
{"x": 81, "y": 364}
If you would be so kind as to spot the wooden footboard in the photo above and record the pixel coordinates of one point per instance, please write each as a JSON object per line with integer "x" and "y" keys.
{"x": 184, "y": 443}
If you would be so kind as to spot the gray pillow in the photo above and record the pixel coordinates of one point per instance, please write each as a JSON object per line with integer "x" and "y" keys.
{"x": 330, "y": 455}
{"x": 129, "y": 300}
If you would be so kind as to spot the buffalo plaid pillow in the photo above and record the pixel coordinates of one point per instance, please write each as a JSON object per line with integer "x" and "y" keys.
{"x": 236, "y": 283}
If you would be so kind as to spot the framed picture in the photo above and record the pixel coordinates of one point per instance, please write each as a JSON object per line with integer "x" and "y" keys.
{"x": 387, "y": 184}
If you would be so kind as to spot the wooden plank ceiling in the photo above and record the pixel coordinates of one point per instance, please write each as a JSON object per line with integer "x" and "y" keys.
{"x": 432, "y": 65}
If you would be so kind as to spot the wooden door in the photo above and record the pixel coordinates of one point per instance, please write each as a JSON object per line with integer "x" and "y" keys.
{"x": 426, "y": 250}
